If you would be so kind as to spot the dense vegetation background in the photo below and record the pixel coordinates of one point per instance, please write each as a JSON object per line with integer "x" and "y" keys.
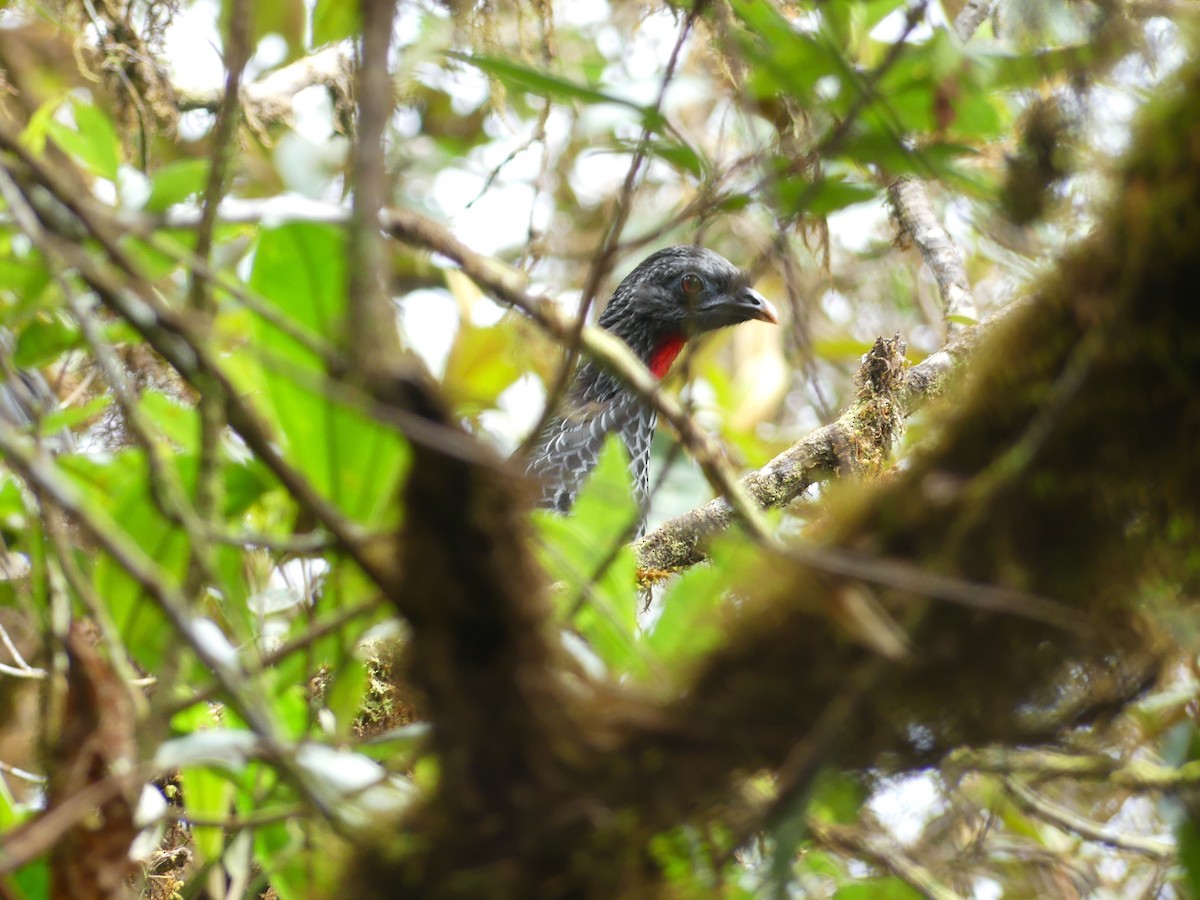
{"x": 282, "y": 285}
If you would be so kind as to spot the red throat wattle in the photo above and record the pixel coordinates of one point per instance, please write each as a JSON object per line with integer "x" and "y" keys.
{"x": 664, "y": 354}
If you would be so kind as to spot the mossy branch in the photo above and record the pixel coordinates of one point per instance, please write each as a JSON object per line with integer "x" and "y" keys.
{"x": 846, "y": 446}
{"x": 1055, "y": 468}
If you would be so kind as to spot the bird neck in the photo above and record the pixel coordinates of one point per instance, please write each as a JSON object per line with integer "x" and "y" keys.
{"x": 654, "y": 347}
{"x": 663, "y": 353}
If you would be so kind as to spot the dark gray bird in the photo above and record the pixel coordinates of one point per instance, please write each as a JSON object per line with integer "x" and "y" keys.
{"x": 672, "y": 296}
{"x": 26, "y": 397}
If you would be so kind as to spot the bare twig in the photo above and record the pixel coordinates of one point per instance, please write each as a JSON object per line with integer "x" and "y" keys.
{"x": 1061, "y": 817}
{"x": 21, "y": 669}
{"x": 270, "y": 98}
{"x": 877, "y": 849}
{"x": 1133, "y": 774}
{"x": 209, "y": 405}
{"x": 23, "y": 774}
{"x": 237, "y": 52}
{"x": 371, "y": 335}
{"x": 914, "y": 215}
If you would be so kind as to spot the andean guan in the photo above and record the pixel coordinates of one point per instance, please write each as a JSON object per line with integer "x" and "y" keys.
{"x": 673, "y": 295}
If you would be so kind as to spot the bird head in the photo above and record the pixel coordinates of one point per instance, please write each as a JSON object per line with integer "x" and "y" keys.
{"x": 676, "y": 294}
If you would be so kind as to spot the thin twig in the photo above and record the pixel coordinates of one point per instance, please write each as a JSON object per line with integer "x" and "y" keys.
{"x": 22, "y": 669}
{"x": 1061, "y": 817}
{"x": 209, "y": 404}
{"x": 875, "y": 848}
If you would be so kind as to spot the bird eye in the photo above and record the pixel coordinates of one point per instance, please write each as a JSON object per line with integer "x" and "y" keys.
{"x": 692, "y": 284}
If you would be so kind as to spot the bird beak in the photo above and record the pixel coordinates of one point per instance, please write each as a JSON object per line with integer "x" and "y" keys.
{"x": 723, "y": 310}
{"x": 756, "y": 306}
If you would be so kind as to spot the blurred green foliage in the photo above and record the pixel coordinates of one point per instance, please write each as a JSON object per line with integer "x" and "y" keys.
{"x": 779, "y": 119}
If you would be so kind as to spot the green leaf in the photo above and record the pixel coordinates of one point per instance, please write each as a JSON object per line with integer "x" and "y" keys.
{"x": 691, "y": 620}
{"x": 821, "y": 863}
{"x": 33, "y": 880}
{"x": 292, "y": 710}
{"x": 878, "y": 889}
{"x": 33, "y": 135}
{"x": 286, "y": 18}
{"x": 1188, "y": 837}
{"x": 843, "y": 348}
{"x": 93, "y": 141}
{"x": 837, "y": 797}
{"x": 179, "y": 423}
{"x": 176, "y": 182}
{"x": 533, "y": 81}
{"x": 333, "y": 21}
{"x": 208, "y": 793}
{"x": 349, "y": 457}
{"x": 587, "y": 552}
{"x": 881, "y": 148}
{"x": 43, "y": 340}
{"x": 677, "y": 154}
{"x": 119, "y": 486}
{"x": 481, "y": 365}
{"x": 74, "y": 416}
{"x": 8, "y": 813}
{"x": 820, "y": 198}
{"x": 1013, "y": 72}
{"x": 838, "y": 21}
{"x": 782, "y": 59}
{"x": 26, "y": 276}
{"x": 345, "y": 692}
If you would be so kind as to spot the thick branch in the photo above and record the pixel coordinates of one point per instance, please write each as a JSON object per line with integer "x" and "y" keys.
{"x": 1135, "y": 774}
{"x": 679, "y": 542}
{"x": 270, "y": 98}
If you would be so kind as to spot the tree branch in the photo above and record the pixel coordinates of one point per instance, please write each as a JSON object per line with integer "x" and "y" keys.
{"x": 1065, "y": 819}
{"x": 882, "y": 852}
{"x": 210, "y": 404}
{"x": 678, "y": 542}
{"x": 1135, "y": 774}
{"x": 914, "y": 214}
{"x": 270, "y": 98}
{"x": 371, "y": 336}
